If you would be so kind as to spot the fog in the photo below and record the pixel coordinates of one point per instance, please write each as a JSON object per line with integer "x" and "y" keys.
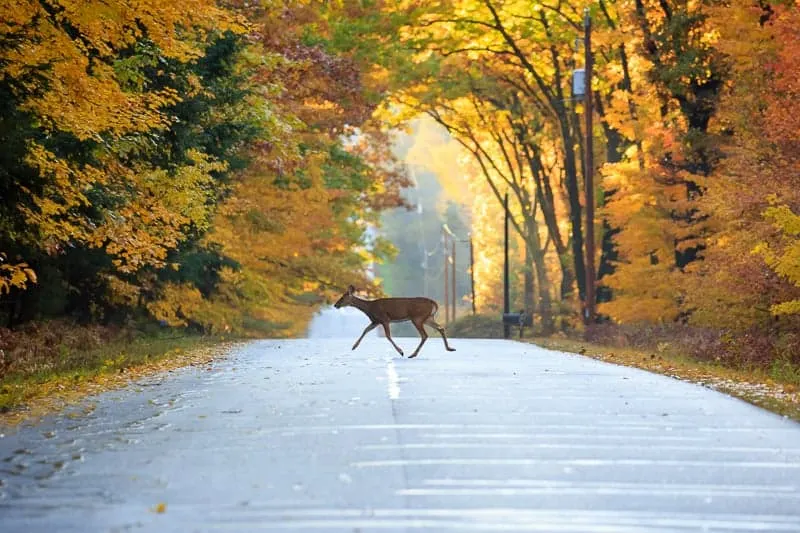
{"x": 338, "y": 323}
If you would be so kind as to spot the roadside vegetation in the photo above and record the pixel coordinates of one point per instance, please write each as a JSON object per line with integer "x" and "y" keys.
{"x": 46, "y": 366}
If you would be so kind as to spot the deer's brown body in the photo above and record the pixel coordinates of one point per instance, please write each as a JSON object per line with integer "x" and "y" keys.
{"x": 383, "y": 311}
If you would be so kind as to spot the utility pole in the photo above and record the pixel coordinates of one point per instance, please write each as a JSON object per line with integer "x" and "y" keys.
{"x": 588, "y": 178}
{"x": 450, "y": 297}
{"x": 446, "y": 280}
{"x": 506, "y": 296}
{"x": 472, "y": 273}
{"x": 453, "y": 273}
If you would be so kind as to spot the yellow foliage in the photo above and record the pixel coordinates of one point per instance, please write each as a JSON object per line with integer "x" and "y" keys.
{"x": 61, "y": 67}
{"x": 17, "y": 276}
{"x": 80, "y": 93}
{"x": 177, "y": 304}
{"x": 785, "y": 261}
{"x": 121, "y": 292}
{"x": 64, "y": 187}
{"x": 487, "y": 232}
{"x": 643, "y": 292}
{"x": 158, "y": 213}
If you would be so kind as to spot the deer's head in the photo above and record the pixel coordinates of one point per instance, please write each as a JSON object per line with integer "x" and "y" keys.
{"x": 346, "y": 299}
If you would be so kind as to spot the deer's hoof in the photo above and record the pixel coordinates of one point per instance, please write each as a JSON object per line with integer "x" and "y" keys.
{"x": 412, "y": 356}
{"x": 451, "y": 349}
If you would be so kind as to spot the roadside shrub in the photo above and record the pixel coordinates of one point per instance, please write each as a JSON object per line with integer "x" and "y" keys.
{"x": 773, "y": 350}
{"x": 476, "y": 327}
{"x": 39, "y": 346}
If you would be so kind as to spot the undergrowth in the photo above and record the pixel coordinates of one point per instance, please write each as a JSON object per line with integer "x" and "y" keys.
{"x": 38, "y": 355}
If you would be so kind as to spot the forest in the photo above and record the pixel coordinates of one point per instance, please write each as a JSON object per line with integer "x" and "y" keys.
{"x": 228, "y": 167}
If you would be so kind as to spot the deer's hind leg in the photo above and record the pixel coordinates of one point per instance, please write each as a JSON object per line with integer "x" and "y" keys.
{"x": 431, "y": 322}
{"x": 420, "y": 325}
{"x": 389, "y": 336}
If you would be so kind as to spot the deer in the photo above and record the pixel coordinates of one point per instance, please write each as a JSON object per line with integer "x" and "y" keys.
{"x": 383, "y": 311}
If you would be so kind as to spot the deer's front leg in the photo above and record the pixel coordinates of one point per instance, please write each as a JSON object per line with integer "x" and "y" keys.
{"x": 389, "y": 336}
{"x": 366, "y": 330}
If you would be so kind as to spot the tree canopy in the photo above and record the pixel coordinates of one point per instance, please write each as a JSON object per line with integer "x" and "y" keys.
{"x": 224, "y": 164}
{"x": 208, "y": 164}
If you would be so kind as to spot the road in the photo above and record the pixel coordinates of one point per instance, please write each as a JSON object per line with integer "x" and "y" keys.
{"x": 305, "y": 435}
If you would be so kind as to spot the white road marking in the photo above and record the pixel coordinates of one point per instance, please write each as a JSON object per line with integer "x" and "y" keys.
{"x": 503, "y": 519}
{"x": 550, "y": 483}
{"x": 570, "y": 446}
{"x": 392, "y": 381}
{"x": 574, "y": 462}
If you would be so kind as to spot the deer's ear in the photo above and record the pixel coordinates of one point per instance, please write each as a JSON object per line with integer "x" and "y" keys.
{"x": 351, "y": 289}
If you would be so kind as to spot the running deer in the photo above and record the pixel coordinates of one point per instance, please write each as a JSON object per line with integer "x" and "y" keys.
{"x": 383, "y": 311}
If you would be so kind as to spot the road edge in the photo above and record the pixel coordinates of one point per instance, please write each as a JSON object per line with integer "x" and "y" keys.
{"x": 757, "y": 390}
{"x": 59, "y": 393}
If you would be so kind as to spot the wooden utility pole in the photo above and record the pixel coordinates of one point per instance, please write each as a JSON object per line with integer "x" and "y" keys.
{"x": 589, "y": 311}
{"x": 453, "y": 273}
{"x": 446, "y": 280}
{"x": 506, "y": 296}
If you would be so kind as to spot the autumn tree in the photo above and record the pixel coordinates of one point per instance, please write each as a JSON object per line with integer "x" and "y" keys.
{"x": 153, "y": 149}
{"x": 296, "y": 220}
{"x": 753, "y": 197}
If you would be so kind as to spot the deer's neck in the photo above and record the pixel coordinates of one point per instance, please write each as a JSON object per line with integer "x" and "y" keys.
{"x": 362, "y": 305}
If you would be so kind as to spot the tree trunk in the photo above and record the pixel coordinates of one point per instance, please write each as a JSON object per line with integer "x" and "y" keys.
{"x": 537, "y": 254}
{"x": 530, "y": 301}
{"x": 574, "y": 197}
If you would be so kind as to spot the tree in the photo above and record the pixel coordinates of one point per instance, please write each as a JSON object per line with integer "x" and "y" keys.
{"x": 153, "y": 149}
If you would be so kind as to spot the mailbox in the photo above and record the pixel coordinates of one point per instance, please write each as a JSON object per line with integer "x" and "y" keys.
{"x": 521, "y": 319}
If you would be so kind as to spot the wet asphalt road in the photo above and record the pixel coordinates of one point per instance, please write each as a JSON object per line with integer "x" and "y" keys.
{"x": 307, "y": 435}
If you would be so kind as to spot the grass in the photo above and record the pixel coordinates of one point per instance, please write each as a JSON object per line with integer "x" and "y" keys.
{"x": 47, "y": 380}
{"x": 775, "y": 387}
{"x": 478, "y": 326}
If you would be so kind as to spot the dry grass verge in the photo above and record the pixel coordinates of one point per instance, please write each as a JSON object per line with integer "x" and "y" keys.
{"x": 48, "y": 376}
